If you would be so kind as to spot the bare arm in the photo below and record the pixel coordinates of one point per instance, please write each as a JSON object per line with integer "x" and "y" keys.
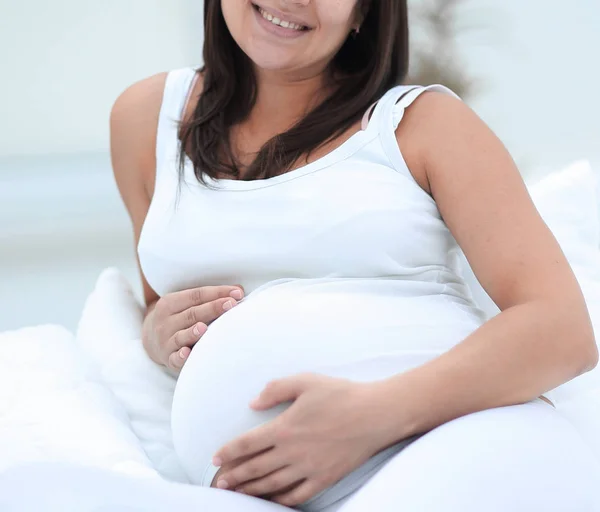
{"x": 543, "y": 336}
{"x": 133, "y": 126}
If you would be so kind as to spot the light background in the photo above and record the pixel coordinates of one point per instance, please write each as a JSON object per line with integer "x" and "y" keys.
{"x": 63, "y": 63}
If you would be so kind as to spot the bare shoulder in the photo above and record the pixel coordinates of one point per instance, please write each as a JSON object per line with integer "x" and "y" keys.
{"x": 425, "y": 125}
{"x": 133, "y": 125}
{"x": 433, "y": 107}
{"x": 141, "y": 95}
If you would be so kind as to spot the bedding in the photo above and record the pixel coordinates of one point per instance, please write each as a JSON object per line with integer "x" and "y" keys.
{"x": 109, "y": 332}
{"x": 54, "y": 407}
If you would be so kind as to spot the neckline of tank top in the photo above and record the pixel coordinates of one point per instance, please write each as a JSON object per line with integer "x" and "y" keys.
{"x": 345, "y": 150}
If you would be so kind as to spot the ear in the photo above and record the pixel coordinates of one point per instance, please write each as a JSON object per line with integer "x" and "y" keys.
{"x": 362, "y": 9}
{"x": 358, "y": 17}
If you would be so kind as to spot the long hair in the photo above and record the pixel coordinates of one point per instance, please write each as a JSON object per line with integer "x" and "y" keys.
{"x": 370, "y": 63}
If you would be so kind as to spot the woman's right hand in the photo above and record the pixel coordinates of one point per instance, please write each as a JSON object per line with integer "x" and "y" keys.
{"x": 176, "y": 322}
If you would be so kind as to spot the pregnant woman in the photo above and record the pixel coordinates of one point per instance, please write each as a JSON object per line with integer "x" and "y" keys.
{"x": 298, "y": 214}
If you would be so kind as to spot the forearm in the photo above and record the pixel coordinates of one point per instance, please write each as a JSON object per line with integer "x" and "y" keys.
{"x": 521, "y": 353}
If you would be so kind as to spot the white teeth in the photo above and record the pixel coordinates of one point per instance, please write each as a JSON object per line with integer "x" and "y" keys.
{"x": 277, "y": 21}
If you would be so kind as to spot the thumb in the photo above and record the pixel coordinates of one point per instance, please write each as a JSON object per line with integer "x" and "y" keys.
{"x": 279, "y": 391}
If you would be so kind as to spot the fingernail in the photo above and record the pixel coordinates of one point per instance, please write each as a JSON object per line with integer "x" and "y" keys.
{"x": 236, "y": 294}
{"x": 222, "y": 484}
{"x": 228, "y": 305}
{"x": 198, "y": 329}
{"x": 217, "y": 461}
{"x": 241, "y": 491}
{"x": 182, "y": 354}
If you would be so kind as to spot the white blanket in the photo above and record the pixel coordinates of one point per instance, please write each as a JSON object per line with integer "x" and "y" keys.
{"x": 54, "y": 407}
{"x": 110, "y": 333}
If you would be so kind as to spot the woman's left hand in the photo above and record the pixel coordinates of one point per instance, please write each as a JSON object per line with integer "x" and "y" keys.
{"x": 331, "y": 428}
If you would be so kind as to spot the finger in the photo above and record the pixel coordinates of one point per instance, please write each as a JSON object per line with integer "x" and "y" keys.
{"x": 277, "y": 482}
{"x": 205, "y": 313}
{"x": 177, "y": 359}
{"x": 255, "y": 467}
{"x": 299, "y": 494}
{"x": 282, "y": 390}
{"x": 186, "y": 337}
{"x": 256, "y": 440}
{"x": 185, "y": 299}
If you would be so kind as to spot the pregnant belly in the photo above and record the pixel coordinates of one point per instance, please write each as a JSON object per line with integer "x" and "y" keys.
{"x": 280, "y": 334}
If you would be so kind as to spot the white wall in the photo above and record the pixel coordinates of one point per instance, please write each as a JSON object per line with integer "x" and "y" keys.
{"x": 63, "y": 63}
{"x": 538, "y": 60}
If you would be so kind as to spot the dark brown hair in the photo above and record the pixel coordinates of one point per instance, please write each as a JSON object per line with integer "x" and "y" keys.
{"x": 369, "y": 63}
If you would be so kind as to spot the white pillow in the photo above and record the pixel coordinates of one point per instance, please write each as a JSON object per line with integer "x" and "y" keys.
{"x": 110, "y": 332}
{"x": 53, "y": 407}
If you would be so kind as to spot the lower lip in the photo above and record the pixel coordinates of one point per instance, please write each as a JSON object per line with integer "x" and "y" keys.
{"x": 276, "y": 30}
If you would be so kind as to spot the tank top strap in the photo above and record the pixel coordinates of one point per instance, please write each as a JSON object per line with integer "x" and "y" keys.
{"x": 176, "y": 94}
{"x": 404, "y": 98}
{"x": 389, "y": 113}
{"x": 377, "y": 111}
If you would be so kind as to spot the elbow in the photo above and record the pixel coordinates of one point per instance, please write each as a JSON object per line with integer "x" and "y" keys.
{"x": 586, "y": 354}
{"x": 578, "y": 333}
{"x": 589, "y": 346}
{"x": 590, "y": 356}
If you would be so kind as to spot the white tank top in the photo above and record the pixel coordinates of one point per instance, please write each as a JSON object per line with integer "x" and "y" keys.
{"x": 354, "y": 220}
{"x": 349, "y": 271}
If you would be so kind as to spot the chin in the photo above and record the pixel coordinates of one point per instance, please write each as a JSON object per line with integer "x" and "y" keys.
{"x": 271, "y": 65}
{"x": 270, "y": 58}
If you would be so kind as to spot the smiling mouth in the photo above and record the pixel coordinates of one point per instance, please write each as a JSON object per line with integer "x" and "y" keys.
{"x": 279, "y": 22}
